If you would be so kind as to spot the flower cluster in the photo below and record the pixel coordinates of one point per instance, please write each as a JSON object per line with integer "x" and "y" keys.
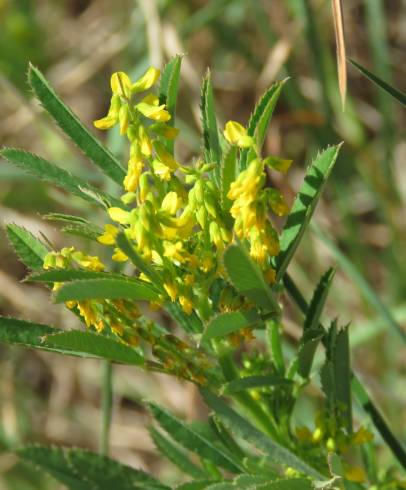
{"x": 172, "y": 213}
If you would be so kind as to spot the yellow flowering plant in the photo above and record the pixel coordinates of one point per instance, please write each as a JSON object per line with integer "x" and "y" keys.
{"x": 197, "y": 240}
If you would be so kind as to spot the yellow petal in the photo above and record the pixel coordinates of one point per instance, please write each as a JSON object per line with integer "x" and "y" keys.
{"x": 236, "y": 134}
{"x": 165, "y": 156}
{"x": 109, "y": 235}
{"x": 120, "y": 84}
{"x": 119, "y": 215}
{"x": 157, "y": 113}
{"x": 170, "y": 203}
{"x": 119, "y": 256}
{"x": 161, "y": 170}
{"x": 145, "y": 142}
{"x": 105, "y": 122}
{"x": 147, "y": 80}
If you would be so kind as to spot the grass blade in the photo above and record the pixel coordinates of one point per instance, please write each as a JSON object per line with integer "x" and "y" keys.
{"x": 71, "y": 125}
{"x": 394, "y": 92}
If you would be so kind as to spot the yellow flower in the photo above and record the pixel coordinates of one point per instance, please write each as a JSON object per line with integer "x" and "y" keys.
{"x": 145, "y": 141}
{"x": 112, "y": 117}
{"x": 132, "y": 179}
{"x": 161, "y": 170}
{"x": 355, "y": 474}
{"x": 109, "y": 235}
{"x": 172, "y": 289}
{"x": 120, "y": 84}
{"x": 277, "y": 202}
{"x": 164, "y": 156}
{"x": 146, "y": 81}
{"x": 87, "y": 310}
{"x": 236, "y": 134}
{"x": 88, "y": 261}
{"x": 171, "y": 203}
{"x": 124, "y": 119}
{"x": 119, "y": 256}
{"x": 186, "y": 304}
{"x": 175, "y": 251}
{"x": 362, "y": 436}
{"x": 152, "y": 111}
{"x": 119, "y": 215}
{"x": 279, "y": 164}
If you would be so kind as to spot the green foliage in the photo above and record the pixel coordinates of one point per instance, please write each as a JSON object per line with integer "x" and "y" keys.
{"x": 394, "y": 92}
{"x": 250, "y": 382}
{"x": 228, "y": 174}
{"x": 106, "y": 288}
{"x": 29, "y": 249}
{"x": 52, "y": 174}
{"x": 226, "y": 323}
{"x": 248, "y": 279}
{"x": 78, "y": 469}
{"x": 93, "y": 345}
{"x": 212, "y": 149}
{"x": 304, "y": 206}
{"x": 260, "y": 119}
{"x": 71, "y": 125}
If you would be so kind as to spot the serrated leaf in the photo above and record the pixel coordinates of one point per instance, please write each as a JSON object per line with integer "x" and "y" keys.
{"x": 48, "y": 172}
{"x": 304, "y": 206}
{"x": 307, "y": 350}
{"x": 70, "y": 125}
{"x": 247, "y": 278}
{"x": 212, "y": 149}
{"x": 318, "y": 300}
{"x": 389, "y": 89}
{"x": 29, "y": 249}
{"x": 68, "y": 218}
{"x": 105, "y": 289}
{"x": 174, "y": 454}
{"x": 28, "y": 334}
{"x": 94, "y": 345}
{"x": 248, "y": 481}
{"x": 258, "y": 439}
{"x": 259, "y": 120}
{"x": 67, "y": 275}
{"x": 82, "y": 231}
{"x": 192, "y": 440}
{"x": 168, "y": 90}
{"x": 336, "y": 374}
{"x": 126, "y": 247}
{"x": 80, "y": 470}
{"x": 228, "y": 175}
{"x": 221, "y": 486}
{"x": 250, "y": 382}
{"x": 312, "y": 331}
{"x": 226, "y": 323}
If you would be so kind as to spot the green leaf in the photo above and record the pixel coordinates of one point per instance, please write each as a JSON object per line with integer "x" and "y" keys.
{"x": 52, "y": 174}
{"x": 126, "y": 247}
{"x": 71, "y": 125}
{"x": 67, "y": 275}
{"x": 312, "y": 330}
{"x": 228, "y": 175}
{"x": 304, "y": 206}
{"x": 169, "y": 85}
{"x": 81, "y": 470}
{"x": 285, "y": 484}
{"x": 260, "y": 118}
{"x": 226, "y": 323}
{"x": 194, "y": 485}
{"x": 105, "y": 289}
{"x": 212, "y": 149}
{"x": 68, "y": 218}
{"x": 249, "y": 481}
{"x": 193, "y": 440}
{"x": 84, "y": 231}
{"x": 29, "y": 249}
{"x": 250, "y": 382}
{"x": 336, "y": 374}
{"x": 94, "y": 345}
{"x": 394, "y": 92}
{"x": 318, "y": 301}
{"x": 252, "y": 435}
{"x": 247, "y": 278}
{"x": 178, "y": 457}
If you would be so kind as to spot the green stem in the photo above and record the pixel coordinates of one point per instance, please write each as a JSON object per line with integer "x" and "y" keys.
{"x": 274, "y": 336}
{"x": 245, "y": 399}
{"x": 357, "y": 388}
{"x": 106, "y": 406}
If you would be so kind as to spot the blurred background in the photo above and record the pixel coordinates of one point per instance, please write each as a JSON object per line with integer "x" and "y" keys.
{"x": 248, "y": 44}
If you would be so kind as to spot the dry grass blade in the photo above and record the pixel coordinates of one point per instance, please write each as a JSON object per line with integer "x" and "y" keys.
{"x": 340, "y": 42}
